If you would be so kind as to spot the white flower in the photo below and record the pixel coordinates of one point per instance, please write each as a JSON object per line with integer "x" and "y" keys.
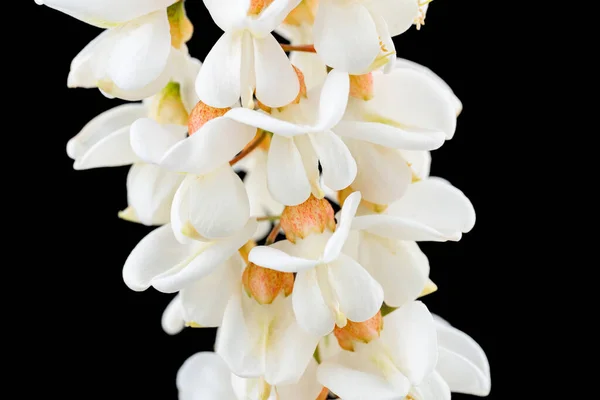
{"x": 211, "y": 202}
{"x": 205, "y": 376}
{"x": 134, "y": 58}
{"x": 355, "y": 36}
{"x": 430, "y": 210}
{"x": 104, "y": 142}
{"x": 396, "y": 364}
{"x": 409, "y": 110}
{"x": 159, "y": 260}
{"x": 330, "y": 286}
{"x": 302, "y": 138}
{"x": 264, "y": 340}
{"x": 247, "y": 57}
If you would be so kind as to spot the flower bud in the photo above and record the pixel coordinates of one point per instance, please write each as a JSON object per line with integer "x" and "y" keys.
{"x": 203, "y": 113}
{"x": 359, "y": 332}
{"x": 301, "y": 93}
{"x": 361, "y": 86}
{"x": 256, "y": 6}
{"x": 377, "y": 208}
{"x": 303, "y": 14}
{"x": 312, "y": 216}
{"x": 167, "y": 107}
{"x": 264, "y": 284}
{"x": 181, "y": 27}
{"x": 429, "y": 288}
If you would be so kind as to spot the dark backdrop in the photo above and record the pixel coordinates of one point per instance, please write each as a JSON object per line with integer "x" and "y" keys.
{"x": 105, "y": 340}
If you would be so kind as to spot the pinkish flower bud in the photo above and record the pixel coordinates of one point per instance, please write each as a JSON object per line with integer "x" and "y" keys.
{"x": 264, "y": 284}
{"x": 203, "y": 113}
{"x": 312, "y": 216}
{"x": 359, "y": 332}
{"x": 361, "y": 86}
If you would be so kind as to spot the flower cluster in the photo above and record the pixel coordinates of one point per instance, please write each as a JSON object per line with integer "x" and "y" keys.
{"x": 341, "y": 121}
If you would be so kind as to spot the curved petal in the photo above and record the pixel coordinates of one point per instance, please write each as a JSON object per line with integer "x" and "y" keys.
{"x": 398, "y": 14}
{"x": 267, "y": 122}
{"x": 150, "y": 191}
{"x": 400, "y": 267}
{"x": 336, "y": 241}
{"x": 432, "y": 388}
{"x": 90, "y": 64}
{"x": 218, "y": 205}
{"x": 217, "y": 142}
{"x": 401, "y": 229}
{"x": 273, "y": 258}
{"x": 158, "y": 252}
{"x": 345, "y": 36}
{"x": 333, "y": 100}
{"x": 113, "y": 150}
{"x": 414, "y": 100}
{"x": 436, "y": 203}
{"x": 310, "y": 309}
{"x": 391, "y": 136}
{"x": 359, "y": 295}
{"x": 307, "y": 387}
{"x": 277, "y": 84}
{"x": 350, "y": 384}
{"x": 273, "y": 15}
{"x": 227, "y": 13}
{"x": 204, "y": 376}
{"x": 151, "y": 140}
{"x": 339, "y": 168}
{"x": 415, "y": 350}
{"x": 141, "y": 53}
{"x": 218, "y": 83}
{"x": 105, "y": 13}
{"x": 383, "y": 176}
{"x": 172, "y": 318}
{"x": 204, "y": 301}
{"x": 180, "y": 212}
{"x": 200, "y": 264}
{"x": 310, "y": 161}
{"x": 314, "y": 70}
{"x": 419, "y": 161}
{"x": 286, "y": 177}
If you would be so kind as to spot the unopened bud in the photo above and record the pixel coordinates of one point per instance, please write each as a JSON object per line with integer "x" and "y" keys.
{"x": 256, "y": 6}
{"x": 303, "y": 14}
{"x": 361, "y": 86}
{"x": 377, "y": 208}
{"x": 264, "y": 284}
{"x": 301, "y": 93}
{"x": 167, "y": 106}
{"x": 181, "y": 26}
{"x": 312, "y": 216}
{"x": 203, "y": 113}
{"x": 363, "y": 332}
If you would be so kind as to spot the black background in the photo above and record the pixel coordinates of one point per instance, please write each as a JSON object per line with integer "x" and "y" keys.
{"x": 100, "y": 338}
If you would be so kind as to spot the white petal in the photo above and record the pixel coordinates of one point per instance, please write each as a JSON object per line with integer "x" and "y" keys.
{"x": 432, "y": 388}
{"x": 391, "y": 136}
{"x": 360, "y": 295}
{"x": 273, "y": 15}
{"x": 419, "y": 161}
{"x": 345, "y": 36}
{"x": 462, "y": 362}
{"x": 141, "y": 53}
{"x": 200, "y": 265}
{"x": 310, "y": 161}
{"x": 150, "y": 192}
{"x": 310, "y": 309}
{"x": 286, "y": 176}
{"x": 272, "y": 258}
{"x": 172, "y": 318}
{"x": 265, "y": 121}
{"x": 218, "y": 205}
{"x": 398, "y": 14}
{"x": 204, "y": 376}
{"x": 217, "y": 142}
{"x": 337, "y": 240}
{"x": 227, "y": 13}
{"x": 400, "y": 228}
{"x": 350, "y": 384}
{"x": 180, "y": 212}
{"x": 332, "y": 100}
{"x": 218, "y": 83}
{"x": 383, "y": 175}
{"x": 313, "y": 69}
{"x": 90, "y": 64}
{"x": 150, "y": 140}
{"x": 111, "y": 151}
{"x": 158, "y": 252}
{"x": 204, "y": 301}
{"x": 235, "y": 341}
{"x": 339, "y": 168}
{"x": 107, "y": 12}
{"x": 261, "y": 201}
{"x": 307, "y": 388}
{"x": 400, "y": 267}
{"x": 410, "y": 333}
{"x": 276, "y": 81}
{"x": 414, "y": 100}
{"x": 437, "y": 204}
